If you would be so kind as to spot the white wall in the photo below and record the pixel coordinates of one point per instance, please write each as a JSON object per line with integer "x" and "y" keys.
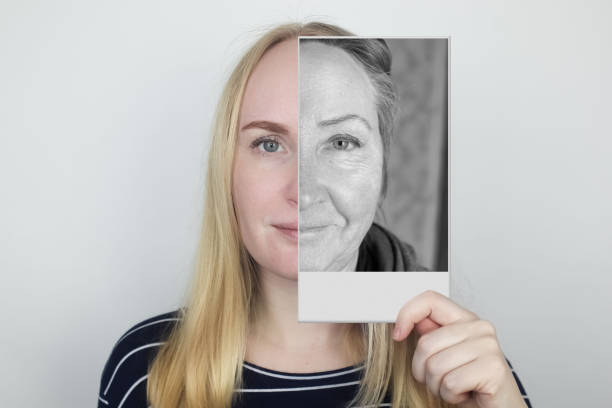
{"x": 104, "y": 113}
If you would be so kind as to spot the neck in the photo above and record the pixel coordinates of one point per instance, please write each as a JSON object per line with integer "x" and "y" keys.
{"x": 275, "y": 324}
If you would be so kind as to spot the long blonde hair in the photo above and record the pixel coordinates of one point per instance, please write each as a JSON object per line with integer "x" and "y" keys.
{"x": 200, "y": 364}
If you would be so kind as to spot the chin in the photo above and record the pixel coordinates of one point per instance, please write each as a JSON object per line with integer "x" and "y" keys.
{"x": 291, "y": 270}
{"x": 285, "y": 266}
{"x": 312, "y": 268}
{"x": 278, "y": 256}
{"x": 313, "y": 260}
{"x": 289, "y": 274}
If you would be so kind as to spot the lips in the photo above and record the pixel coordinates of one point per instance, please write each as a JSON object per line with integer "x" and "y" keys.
{"x": 289, "y": 230}
{"x": 316, "y": 223}
{"x": 287, "y": 225}
{"x": 314, "y": 234}
{"x": 312, "y": 228}
{"x": 313, "y": 222}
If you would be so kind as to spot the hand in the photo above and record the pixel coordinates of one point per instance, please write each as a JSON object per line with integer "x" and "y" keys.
{"x": 457, "y": 355}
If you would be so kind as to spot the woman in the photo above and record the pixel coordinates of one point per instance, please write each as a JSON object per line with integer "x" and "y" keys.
{"x": 238, "y": 343}
{"x": 347, "y": 101}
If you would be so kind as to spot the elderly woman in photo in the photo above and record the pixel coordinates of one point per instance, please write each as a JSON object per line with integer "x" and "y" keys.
{"x": 347, "y": 101}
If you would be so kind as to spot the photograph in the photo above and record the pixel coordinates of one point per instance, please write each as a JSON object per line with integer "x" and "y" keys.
{"x": 373, "y": 138}
{"x": 373, "y": 163}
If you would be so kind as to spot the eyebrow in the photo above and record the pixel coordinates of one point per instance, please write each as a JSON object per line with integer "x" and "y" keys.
{"x": 266, "y": 125}
{"x": 343, "y": 118}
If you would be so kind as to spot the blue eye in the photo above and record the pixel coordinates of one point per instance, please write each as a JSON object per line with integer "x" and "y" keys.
{"x": 269, "y": 146}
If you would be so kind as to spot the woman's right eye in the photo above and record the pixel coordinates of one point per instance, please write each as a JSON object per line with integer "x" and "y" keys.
{"x": 267, "y": 145}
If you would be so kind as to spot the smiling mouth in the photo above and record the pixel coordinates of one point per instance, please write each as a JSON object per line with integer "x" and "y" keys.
{"x": 313, "y": 228}
{"x": 313, "y": 235}
{"x": 288, "y": 230}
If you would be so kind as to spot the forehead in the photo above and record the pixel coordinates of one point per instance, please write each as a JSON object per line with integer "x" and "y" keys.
{"x": 334, "y": 83}
{"x": 271, "y": 91}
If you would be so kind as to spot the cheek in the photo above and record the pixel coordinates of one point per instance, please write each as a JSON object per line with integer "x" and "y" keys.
{"x": 255, "y": 188}
{"x": 355, "y": 189}
{"x": 358, "y": 196}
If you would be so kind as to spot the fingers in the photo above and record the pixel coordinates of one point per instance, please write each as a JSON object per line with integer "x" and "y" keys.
{"x": 483, "y": 375}
{"x": 432, "y": 346}
{"x": 429, "y": 304}
{"x": 457, "y": 355}
{"x": 426, "y": 325}
{"x": 435, "y": 368}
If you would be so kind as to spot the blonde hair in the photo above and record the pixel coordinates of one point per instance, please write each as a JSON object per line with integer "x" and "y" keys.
{"x": 200, "y": 364}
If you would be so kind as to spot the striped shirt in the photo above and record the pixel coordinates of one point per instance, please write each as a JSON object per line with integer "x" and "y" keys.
{"x": 124, "y": 378}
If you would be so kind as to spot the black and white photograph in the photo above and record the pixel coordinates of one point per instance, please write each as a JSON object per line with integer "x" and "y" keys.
{"x": 373, "y": 174}
{"x": 373, "y": 154}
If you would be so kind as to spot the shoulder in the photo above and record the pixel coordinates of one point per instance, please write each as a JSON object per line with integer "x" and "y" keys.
{"x": 123, "y": 380}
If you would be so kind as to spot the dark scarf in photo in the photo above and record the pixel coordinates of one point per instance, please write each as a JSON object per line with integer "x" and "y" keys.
{"x": 383, "y": 251}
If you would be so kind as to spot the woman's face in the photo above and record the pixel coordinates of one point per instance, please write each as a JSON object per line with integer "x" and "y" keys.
{"x": 341, "y": 158}
{"x": 265, "y": 180}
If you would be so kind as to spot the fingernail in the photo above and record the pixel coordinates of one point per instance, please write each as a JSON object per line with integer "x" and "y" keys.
{"x": 396, "y": 332}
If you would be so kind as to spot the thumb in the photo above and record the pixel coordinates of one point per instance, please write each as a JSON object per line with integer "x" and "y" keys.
{"x": 426, "y": 325}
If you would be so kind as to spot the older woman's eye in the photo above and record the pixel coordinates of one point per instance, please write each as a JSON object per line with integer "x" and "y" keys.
{"x": 345, "y": 142}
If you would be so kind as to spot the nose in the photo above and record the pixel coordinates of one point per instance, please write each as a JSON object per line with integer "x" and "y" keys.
{"x": 311, "y": 189}
{"x": 292, "y": 185}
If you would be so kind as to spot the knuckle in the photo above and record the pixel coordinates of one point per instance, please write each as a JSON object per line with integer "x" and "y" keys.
{"x": 429, "y": 367}
{"x": 499, "y": 365}
{"x": 491, "y": 343}
{"x": 431, "y": 383}
{"x": 487, "y": 345}
{"x": 449, "y": 384}
{"x": 425, "y": 344}
{"x": 431, "y": 294}
{"x": 487, "y": 327}
{"x": 432, "y": 366}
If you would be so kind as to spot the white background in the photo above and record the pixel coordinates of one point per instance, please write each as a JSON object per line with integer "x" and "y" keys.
{"x": 105, "y": 109}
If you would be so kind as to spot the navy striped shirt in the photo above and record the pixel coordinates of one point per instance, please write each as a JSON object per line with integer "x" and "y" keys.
{"x": 124, "y": 378}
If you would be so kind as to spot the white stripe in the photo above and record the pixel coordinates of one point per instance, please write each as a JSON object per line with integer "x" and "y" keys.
{"x": 124, "y": 358}
{"x": 103, "y": 400}
{"x": 306, "y": 377}
{"x": 146, "y": 325}
{"x": 318, "y": 387}
{"x": 141, "y": 379}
